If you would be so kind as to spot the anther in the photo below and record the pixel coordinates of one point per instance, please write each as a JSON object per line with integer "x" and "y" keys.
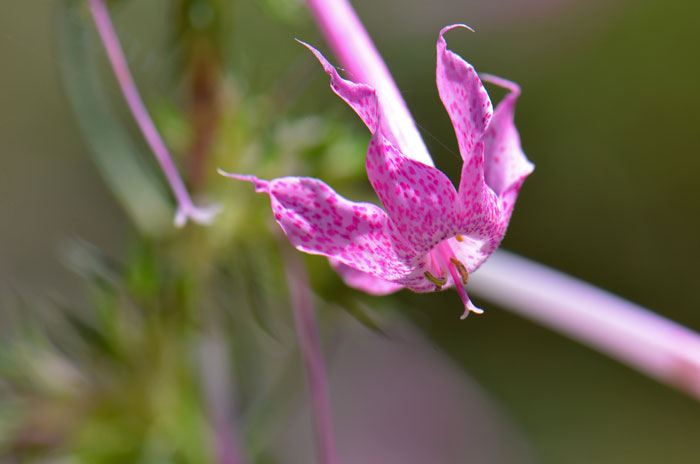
{"x": 459, "y": 238}
{"x": 461, "y": 269}
{"x": 438, "y": 281}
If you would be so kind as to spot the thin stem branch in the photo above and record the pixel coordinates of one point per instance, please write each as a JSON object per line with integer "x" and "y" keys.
{"x": 216, "y": 385}
{"x": 301, "y": 300}
{"x": 110, "y": 41}
{"x": 354, "y": 48}
{"x": 662, "y": 349}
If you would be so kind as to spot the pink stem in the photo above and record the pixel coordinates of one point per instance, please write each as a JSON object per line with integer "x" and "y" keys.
{"x": 214, "y": 376}
{"x": 186, "y": 208}
{"x": 310, "y": 346}
{"x": 661, "y": 348}
{"x": 354, "y": 48}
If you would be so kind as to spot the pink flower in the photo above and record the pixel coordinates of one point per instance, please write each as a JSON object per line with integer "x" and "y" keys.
{"x": 431, "y": 236}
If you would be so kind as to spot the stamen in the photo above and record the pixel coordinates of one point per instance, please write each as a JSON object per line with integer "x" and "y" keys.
{"x": 438, "y": 281}
{"x": 461, "y": 269}
{"x": 459, "y": 276}
{"x": 459, "y": 238}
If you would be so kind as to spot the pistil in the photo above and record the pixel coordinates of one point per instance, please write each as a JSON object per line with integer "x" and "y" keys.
{"x": 445, "y": 256}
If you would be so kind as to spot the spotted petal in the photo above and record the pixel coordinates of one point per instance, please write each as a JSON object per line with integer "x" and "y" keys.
{"x": 361, "y": 98}
{"x": 463, "y": 95}
{"x": 420, "y": 200}
{"x": 480, "y": 207}
{"x": 363, "y": 281}
{"x": 319, "y": 221}
{"x": 505, "y": 164}
{"x": 471, "y": 252}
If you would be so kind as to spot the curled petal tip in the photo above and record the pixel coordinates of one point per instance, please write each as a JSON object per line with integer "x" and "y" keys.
{"x": 501, "y": 82}
{"x": 232, "y": 175}
{"x": 454, "y": 26}
{"x": 441, "y": 43}
{"x": 316, "y": 53}
{"x": 200, "y": 215}
{"x": 306, "y": 45}
{"x": 261, "y": 186}
{"x": 227, "y": 174}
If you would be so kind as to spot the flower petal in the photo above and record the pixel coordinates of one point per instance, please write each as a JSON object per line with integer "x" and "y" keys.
{"x": 420, "y": 200}
{"x": 416, "y": 282}
{"x": 481, "y": 211}
{"x": 470, "y": 252}
{"x": 319, "y": 221}
{"x": 363, "y": 281}
{"x": 505, "y": 164}
{"x": 463, "y": 95}
{"x": 361, "y": 97}
{"x": 485, "y": 216}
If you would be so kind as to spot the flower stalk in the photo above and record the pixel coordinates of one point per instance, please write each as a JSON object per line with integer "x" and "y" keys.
{"x": 110, "y": 41}
{"x": 627, "y": 332}
{"x": 301, "y": 300}
{"x": 214, "y": 376}
{"x": 662, "y": 349}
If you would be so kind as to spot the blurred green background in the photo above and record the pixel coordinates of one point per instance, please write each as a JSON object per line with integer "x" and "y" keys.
{"x": 609, "y": 115}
